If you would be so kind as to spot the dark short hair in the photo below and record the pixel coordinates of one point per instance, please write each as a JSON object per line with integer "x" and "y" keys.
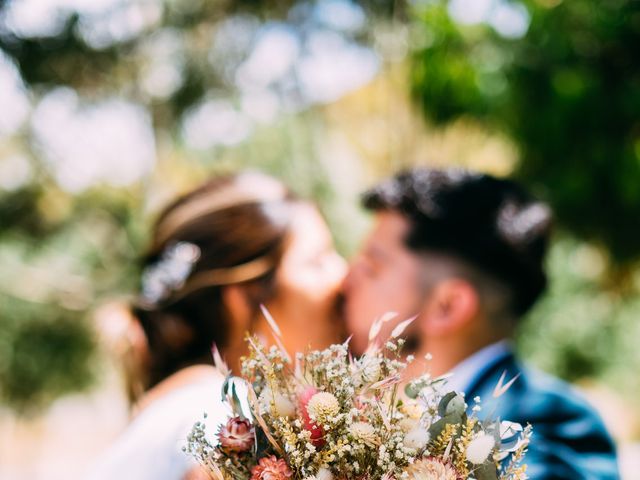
{"x": 489, "y": 223}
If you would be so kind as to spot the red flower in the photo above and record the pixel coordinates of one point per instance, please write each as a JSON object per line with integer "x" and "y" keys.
{"x": 237, "y": 435}
{"x": 271, "y": 468}
{"x": 317, "y": 432}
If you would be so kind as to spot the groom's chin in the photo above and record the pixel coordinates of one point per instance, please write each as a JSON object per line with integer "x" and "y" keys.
{"x": 355, "y": 342}
{"x": 339, "y": 319}
{"x": 358, "y": 323}
{"x": 358, "y": 341}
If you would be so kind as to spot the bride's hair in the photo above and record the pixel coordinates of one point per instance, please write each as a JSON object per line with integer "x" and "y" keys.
{"x": 231, "y": 230}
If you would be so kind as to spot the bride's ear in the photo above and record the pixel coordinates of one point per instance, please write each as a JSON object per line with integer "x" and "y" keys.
{"x": 236, "y": 301}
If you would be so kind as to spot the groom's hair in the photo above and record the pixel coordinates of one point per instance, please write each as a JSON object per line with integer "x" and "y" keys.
{"x": 492, "y": 225}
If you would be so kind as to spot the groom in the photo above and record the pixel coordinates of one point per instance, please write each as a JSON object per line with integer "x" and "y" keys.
{"x": 465, "y": 252}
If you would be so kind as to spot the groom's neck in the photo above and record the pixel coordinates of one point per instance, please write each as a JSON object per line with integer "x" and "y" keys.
{"x": 441, "y": 355}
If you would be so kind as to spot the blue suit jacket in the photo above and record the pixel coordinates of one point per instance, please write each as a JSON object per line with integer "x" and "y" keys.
{"x": 569, "y": 440}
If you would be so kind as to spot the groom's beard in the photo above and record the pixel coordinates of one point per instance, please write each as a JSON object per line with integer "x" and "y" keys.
{"x": 412, "y": 344}
{"x": 338, "y": 318}
{"x": 412, "y": 339}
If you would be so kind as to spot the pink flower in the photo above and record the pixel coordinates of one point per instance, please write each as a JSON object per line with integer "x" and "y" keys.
{"x": 271, "y": 468}
{"x": 317, "y": 432}
{"x": 237, "y": 435}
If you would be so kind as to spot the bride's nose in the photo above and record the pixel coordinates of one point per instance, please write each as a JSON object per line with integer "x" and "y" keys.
{"x": 340, "y": 268}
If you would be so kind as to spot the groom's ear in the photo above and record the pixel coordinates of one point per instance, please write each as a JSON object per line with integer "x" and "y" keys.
{"x": 451, "y": 305}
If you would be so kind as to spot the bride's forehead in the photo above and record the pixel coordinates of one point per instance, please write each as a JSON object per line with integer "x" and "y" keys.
{"x": 308, "y": 230}
{"x": 305, "y": 218}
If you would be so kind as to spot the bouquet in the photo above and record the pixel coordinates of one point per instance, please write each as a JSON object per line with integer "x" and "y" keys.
{"x": 326, "y": 415}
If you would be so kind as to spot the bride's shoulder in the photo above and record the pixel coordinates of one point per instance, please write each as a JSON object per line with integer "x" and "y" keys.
{"x": 178, "y": 396}
{"x": 153, "y": 441}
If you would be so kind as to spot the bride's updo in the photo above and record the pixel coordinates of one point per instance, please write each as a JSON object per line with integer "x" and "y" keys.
{"x": 232, "y": 230}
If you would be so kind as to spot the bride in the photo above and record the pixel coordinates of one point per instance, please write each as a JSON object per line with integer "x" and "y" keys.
{"x": 216, "y": 255}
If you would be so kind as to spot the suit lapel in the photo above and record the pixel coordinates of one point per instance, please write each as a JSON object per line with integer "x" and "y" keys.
{"x": 491, "y": 372}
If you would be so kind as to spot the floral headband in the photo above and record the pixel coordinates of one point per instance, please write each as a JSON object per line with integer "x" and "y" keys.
{"x": 171, "y": 276}
{"x": 170, "y": 273}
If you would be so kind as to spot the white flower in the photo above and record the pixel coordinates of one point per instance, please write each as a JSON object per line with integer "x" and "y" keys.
{"x": 323, "y": 406}
{"x": 324, "y": 474}
{"x": 412, "y": 410}
{"x": 369, "y": 370}
{"x": 417, "y": 438}
{"x": 431, "y": 469}
{"x": 509, "y": 429}
{"x": 364, "y": 432}
{"x": 479, "y": 448}
{"x": 408, "y": 424}
{"x": 277, "y": 404}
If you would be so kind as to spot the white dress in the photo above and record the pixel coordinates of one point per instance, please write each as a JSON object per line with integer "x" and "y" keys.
{"x": 151, "y": 446}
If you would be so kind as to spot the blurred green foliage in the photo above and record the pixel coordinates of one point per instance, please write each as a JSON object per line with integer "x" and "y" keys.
{"x": 581, "y": 330}
{"x": 60, "y": 256}
{"x": 44, "y": 353}
{"x": 64, "y": 252}
{"x": 566, "y": 90}
{"x": 96, "y": 66}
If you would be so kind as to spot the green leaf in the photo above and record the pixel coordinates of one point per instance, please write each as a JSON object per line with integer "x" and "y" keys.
{"x": 442, "y": 406}
{"x": 486, "y": 471}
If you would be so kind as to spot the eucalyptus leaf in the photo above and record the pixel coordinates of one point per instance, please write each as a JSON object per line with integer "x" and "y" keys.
{"x": 237, "y": 406}
{"x": 442, "y": 406}
{"x": 456, "y": 406}
{"x": 437, "y": 428}
{"x": 486, "y": 471}
{"x": 413, "y": 389}
{"x": 225, "y": 388}
{"x": 261, "y": 446}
